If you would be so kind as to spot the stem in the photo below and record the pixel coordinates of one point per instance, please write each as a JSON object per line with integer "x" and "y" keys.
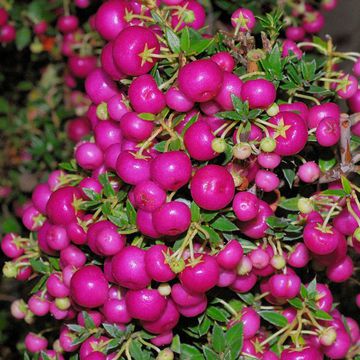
{"x": 228, "y": 129}
{"x": 255, "y": 73}
{"x": 273, "y": 336}
{"x": 228, "y": 307}
{"x": 220, "y": 128}
{"x": 66, "y": 5}
{"x": 307, "y": 97}
{"x": 352, "y": 212}
{"x": 148, "y": 142}
{"x": 307, "y": 43}
{"x": 328, "y": 216}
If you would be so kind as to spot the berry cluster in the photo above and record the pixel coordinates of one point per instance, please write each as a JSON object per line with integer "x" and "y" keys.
{"x": 213, "y": 189}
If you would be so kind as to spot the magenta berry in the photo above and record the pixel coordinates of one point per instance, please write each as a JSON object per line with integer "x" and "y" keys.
{"x": 243, "y": 20}
{"x": 131, "y": 169}
{"x": 110, "y": 19}
{"x": 320, "y": 112}
{"x": 129, "y": 268}
{"x": 212, "y": 187}
{"x": 140, "y": 43}
{"x": 290, "y": 133}
{"x": 156, "y": 263}
{"x": 172, "y": 218}
{"x": 198, "y": 140}
{"x": 192, "y": 14}
{"x": 231, "y": 85}
{"x": 260, "y": 93}
{"x": 171, "y": 170}
{"x": 144, "y": 95}
{"x": 35, "y": 343}
{"x": 146, "y": 304}
{"x": 200, "y": 80}
{"x": 200, "y": 277}
{"x": 321, "y": 240}
{"x": 229, "y": 257}
{"x": 266, "y": 180}
{"x": 88, "y": 287}
{"x": 309, "y": 172}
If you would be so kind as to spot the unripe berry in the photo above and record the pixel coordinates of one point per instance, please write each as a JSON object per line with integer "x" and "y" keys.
{"x": 164, "y": 289}
{"x": 165, "y": 354}
{"x": 218, "y": 145}
{"x": 242, "y": 151}
{"x": 305, "y": 205}
{"x": 268, "y": 144}
{"x": 328, "y": 336}
{"x": 62, "y": 303}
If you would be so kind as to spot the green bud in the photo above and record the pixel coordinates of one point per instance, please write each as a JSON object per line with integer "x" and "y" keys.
{"x": 268, "y": 144}
{"x": 218, "y": 145}
{"x": 166, "y": 354}
{"x": 102, "y": 111}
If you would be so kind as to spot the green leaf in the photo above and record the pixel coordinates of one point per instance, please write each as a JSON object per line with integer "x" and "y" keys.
{"x": 91, "y": 194}
{"x": 289, "y": 175}
{"x": 277, "y": 223}
{"x": 304, "y": 292}
{"x": 195, "y": 212}
{"x": 234, "y": 340}
{"x": 296, "y": 303}
{"x": 322, "y": 315}
{"x": 130, "y": 212}
{"x": 326, "y": 165}
{"x": 135, "y": 350}
{"x": 160, "y": 146}
{"x": 204, "y": 326}
{"x": 44, "y": 356}
{"x": 23, "y": 37}
{"x": 173, "y": 40}
{"x": 107, "y": 188}
{"x": 217, "y": 314}
{"x": 230, "y": 115}
{"x": 289, "y": 204}
{"x": 207, "y": 216}
{"x": 147, "y": 116}
{"x": 40, "y": 285}
{"x": 334, "y": 192}
{"x": 248, "y": 298}
{"x": 215, "y": 239}
{"x": 274, "y": 318}
{"x": 89, "y": 322}
{"x": 39, "y": 266}
{"x": 4, "y": 105}
{"x": 113, "y": 330}
{"x": 185, "y": 39}
{"x": 346, "y": 185}
{"x": 191, "y": 121}
{"x": 188, "y": 352}
{"x": 218, "y": 339}
{"x": 224, "y": 224}
{"x": 75, "y": 328}
{"x": 199, "y": 46}
{"x": 175, "y": 344}
{"x": 311, "y": 288}
{"x": 210, "y": 354}
{"x": 239, "y": 105}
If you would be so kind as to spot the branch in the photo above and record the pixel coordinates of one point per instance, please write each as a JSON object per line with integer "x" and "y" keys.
{"x": 345, "y": 136}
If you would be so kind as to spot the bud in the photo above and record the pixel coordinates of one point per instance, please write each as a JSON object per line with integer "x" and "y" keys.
{"x": 177, "y": 266}
{"x": 305, "y": 205}
{"x": 278, "y": 262}
{"x": 62, "y": 303}
{"x": 268, "y": 144}
{"x": 102, "y": 112}
{"x": 327, "y": 336}
{"x": 242, "y": 151}
{"x": 165, "y": 354}
{"x": 10, "y": 270}
{"x": 164, "y": 289}
{"x": 273, "y": 109}
{"x": 244, "y": 267}
{"x": 218, "y": 145}
{"x": 356, "y": 234}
